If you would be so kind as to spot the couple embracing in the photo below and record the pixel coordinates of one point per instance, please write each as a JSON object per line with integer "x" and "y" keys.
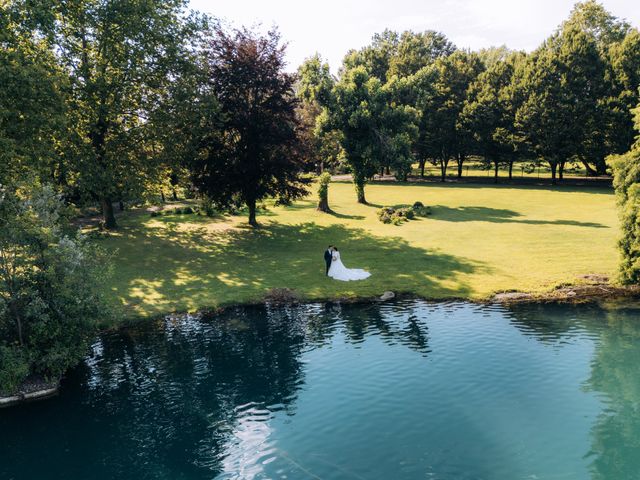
{"x": 337, "y": 270}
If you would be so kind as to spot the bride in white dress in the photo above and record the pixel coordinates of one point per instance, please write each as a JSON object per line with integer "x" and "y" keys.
{"x": 338, "y": 271}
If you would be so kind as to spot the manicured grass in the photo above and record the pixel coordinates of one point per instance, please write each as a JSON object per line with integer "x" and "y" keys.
{"x": 479, "y": 240}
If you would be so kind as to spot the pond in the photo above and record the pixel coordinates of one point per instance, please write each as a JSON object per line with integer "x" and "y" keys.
{"x": 405, "y": 390}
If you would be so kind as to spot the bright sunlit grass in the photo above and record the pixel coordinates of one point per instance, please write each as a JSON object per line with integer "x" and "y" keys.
{"x": 479, "y": 240}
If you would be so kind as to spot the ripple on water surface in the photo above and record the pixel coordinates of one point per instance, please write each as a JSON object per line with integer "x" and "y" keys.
{"x": 402, "y": 390}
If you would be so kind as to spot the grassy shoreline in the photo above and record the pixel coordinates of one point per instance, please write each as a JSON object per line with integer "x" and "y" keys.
{"x": 479, "y": 240}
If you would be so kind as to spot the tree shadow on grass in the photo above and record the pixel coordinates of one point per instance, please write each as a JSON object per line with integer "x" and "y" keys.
{"x": 345, "y": 216}
{"x": 498, "y": 215}
{"x": 161, "y": 269}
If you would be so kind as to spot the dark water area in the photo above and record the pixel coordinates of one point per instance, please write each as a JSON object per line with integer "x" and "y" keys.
{"x": 406, "y": 390}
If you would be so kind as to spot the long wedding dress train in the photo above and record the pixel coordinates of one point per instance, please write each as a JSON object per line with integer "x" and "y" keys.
{"x": 338, "y": 271}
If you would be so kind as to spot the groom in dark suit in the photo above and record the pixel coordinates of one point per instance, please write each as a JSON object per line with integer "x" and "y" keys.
{"x": 328, "y": 256}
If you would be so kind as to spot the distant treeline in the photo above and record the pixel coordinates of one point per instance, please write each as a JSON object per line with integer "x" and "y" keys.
{"x": 415, "y": 97}
{"x": 120, "y": 101}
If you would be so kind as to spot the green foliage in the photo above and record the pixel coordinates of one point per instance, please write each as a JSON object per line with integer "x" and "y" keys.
{"x": 323, "y": 191}
{"x": 374, "y": 128}
{"x": 121, "y": 59}
{"x": 32, "y": 111}
{"x": 50, "y": 286}
{"x": 207, "y": 206}
{"x": 488, "y": 116}
{"x": 626, "y": 170}
{"x": 441, "y": 91}
{"x": 399, "y": 214}
{"x": 255, "y": 150}
{"x": 14, "y": 367}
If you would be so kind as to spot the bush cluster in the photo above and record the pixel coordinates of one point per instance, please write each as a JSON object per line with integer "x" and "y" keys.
{"x": 399, "y": 214}
{"x": 180, "y": 211}
{"x": 51, "y": 288}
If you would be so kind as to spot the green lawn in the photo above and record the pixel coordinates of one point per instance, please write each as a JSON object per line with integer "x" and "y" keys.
{"x": 479, "y": 240}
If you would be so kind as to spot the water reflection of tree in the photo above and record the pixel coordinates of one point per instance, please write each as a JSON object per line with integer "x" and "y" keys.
{"x": 615, "y": 372}
{"x": 615, "y": 375}
{"x": 393, "y": 323}
{"x": 176, "y": 396}
{"x": 172, "y": 397}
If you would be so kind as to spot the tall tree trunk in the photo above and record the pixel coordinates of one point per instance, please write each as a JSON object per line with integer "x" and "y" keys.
{"x": 252, "y": 213}
{"x": 510, "y": 169}
{"x": 461, "y": 159}
{"x": 601, "y": 167}
{"x": 591, "y": 172}
{"x": 388, "y": 172}
{"x": 108, "y": 217}
{"x": 360, "y": 191}
{"x": 162, "y": 196}
{"x": 443, "y": 169}
{"x": 553, "y": 166}
{"x": 175, "y": 195}
{"x": 561, "y": 171}
{"x": 17, "y": 316}
{"x": 496, "y": 168}
{"x": 121, "y": 205}
{"x": 422, "y": 162}
{"x": 323, "y": 205}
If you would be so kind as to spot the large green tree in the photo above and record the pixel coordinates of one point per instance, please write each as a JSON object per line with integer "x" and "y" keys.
{"x": 119, "y": 56}
{"x": 373, "y": 127}
{"x": 488, "y": 114}
{"x": 416, "y": 50}
{"x": 313, "y": 88}
{"x": 253, "y": 149}
{"x": 51, "y": 292}
{"x": 626, "y": 181}
{"x": 440, "y": 105}
{"x": 32, "y": 110}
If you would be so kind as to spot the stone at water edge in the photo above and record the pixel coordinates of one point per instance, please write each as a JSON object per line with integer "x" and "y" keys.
{"x": 511, "y": 296}
{"x": 387, "y": 296}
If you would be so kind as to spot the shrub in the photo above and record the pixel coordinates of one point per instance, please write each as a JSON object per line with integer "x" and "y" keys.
{"x": 626, "y": 180}
{"x": 207, "y": 207}
{"x": 409, "y": 214}
{"x": 397, "y": 215}
{"x": 323, "y": 192}
{"x": 187, "y": 210}
{"x": 51, "y": 293}
{"x": 14, "y": 368}
{"x": 385, "y": 213}
{"x": 155, "y": 214}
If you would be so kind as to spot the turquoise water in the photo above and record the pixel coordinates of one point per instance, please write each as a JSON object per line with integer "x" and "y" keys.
{"x": 411, "y": 390}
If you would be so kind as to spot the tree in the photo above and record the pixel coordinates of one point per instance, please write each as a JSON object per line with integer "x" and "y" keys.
{"x": 253, "y": 149}
{"x": 118, "y": 56}
{"x": 50, "y": 287}
{"x": 323, "y": 192}
{"x": 546, "y": 116}
{"x": 372, "y": 126}
{"x": 32, "y": 111}
{"x": 488, "y": 115}
{"x": 441, "y": 106}
{"x": 595, "y": 46}
{"x": 314, "y": 90}
{"x": 376, "y": 57}
{"x": 622, "y": 77}
{"x": 416, "y": 50}
{"x": 626, "y": 181}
